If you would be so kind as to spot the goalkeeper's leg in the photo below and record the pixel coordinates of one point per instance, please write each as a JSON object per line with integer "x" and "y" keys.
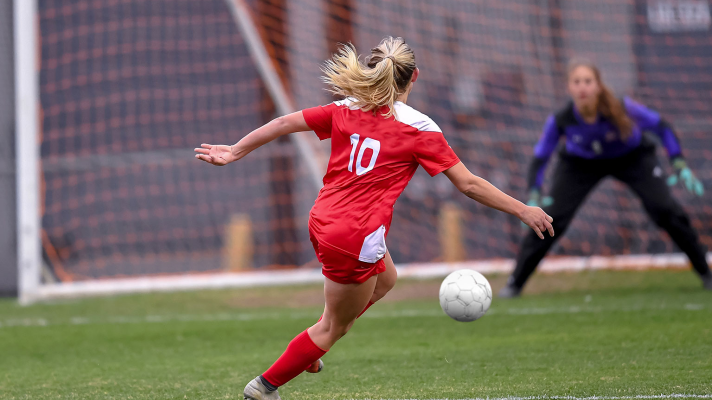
{"x": 573, "y": 180}
{"x": 665, "y": 211}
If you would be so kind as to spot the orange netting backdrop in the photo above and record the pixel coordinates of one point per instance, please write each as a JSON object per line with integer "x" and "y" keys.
{"x": 129, "y": 87}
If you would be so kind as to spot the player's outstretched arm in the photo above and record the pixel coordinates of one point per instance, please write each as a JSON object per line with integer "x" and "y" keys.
{"x": 484, "y": 192}
{"x": 220, "y": 154}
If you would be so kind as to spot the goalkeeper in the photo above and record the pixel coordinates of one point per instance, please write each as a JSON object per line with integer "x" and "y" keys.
{"x": 604, "y": 138}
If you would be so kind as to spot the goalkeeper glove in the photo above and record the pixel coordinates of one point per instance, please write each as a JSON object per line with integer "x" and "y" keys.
{"x": 684, "y": 175}
{"x": 535, "y": 200}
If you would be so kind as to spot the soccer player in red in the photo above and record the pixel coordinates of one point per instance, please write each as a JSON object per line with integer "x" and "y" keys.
{"x": 377, "y": 143}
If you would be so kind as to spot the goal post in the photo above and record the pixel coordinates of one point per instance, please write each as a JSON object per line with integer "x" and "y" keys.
{"x": 306, "y": 143}
{"x": 27, "y": 151}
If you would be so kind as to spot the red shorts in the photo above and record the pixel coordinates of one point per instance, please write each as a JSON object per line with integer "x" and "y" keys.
{"x": 341, "y": 268}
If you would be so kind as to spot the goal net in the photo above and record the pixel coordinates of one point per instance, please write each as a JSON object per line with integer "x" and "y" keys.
{"x": 127, "y": 88}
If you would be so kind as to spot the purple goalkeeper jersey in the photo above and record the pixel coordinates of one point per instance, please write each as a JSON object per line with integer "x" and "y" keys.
{"x": 598, "y": 140}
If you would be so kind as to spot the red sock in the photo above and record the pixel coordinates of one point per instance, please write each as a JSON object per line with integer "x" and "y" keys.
{"x": 300, "y": 353}
{"x": 370, "y": 303}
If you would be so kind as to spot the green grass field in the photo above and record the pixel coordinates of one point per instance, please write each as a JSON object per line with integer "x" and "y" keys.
{"x": 607, "y": 334}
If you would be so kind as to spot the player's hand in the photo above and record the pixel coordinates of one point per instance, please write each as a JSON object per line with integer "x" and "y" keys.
{"x": 684, "y": 175}
{"x": 534, "y": 197}
{"x": 216, "y": 154}
{"x": 538, "y": 220}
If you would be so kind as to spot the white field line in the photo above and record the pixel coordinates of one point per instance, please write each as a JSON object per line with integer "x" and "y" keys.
{"x": 254, "y": 316}
{"x": 640, "y": 397}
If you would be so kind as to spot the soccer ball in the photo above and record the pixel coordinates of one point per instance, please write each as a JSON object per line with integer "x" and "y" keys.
{"x": 465, "y": 295}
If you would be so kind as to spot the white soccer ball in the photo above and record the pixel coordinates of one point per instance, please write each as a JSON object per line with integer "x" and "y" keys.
{"x": 465, "y": 295}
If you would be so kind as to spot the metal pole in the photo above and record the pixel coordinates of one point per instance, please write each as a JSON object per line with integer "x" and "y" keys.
{"x": 29, "y": 252}
{"x": 282, "y": 101}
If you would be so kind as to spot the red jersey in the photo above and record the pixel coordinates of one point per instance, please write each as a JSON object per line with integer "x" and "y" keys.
{"x": 372, "y": 160}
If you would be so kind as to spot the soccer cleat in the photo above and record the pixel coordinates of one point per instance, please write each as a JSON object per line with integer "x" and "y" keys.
{"x": 315, "y": 367}
{"x": 510, "y": 291}
{"x": 255, "y": 390}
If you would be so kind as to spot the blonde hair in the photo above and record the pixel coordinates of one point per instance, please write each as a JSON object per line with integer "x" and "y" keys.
{"x": 608, "y": 104}
{"x": 385, "y": 75}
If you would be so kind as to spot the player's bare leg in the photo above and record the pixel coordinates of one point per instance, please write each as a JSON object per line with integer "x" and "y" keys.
{"x": 385, "y": 281}
{"x": 344, "y": 302}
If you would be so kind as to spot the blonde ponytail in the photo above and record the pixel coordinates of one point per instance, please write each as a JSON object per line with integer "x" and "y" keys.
{"x": 385, "y": 76}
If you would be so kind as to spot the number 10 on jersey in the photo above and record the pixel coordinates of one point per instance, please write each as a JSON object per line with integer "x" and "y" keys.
{"x": 368, "y": 143}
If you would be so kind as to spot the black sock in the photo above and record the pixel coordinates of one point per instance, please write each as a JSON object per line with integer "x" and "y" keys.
{"x": 268, "y": 385}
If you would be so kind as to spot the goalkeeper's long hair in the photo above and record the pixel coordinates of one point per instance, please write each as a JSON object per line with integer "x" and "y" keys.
{"x": 608, "y": 104}
{"x": 379, "y": 81}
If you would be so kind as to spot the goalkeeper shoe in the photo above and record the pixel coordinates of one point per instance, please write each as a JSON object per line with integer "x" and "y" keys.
{"x": 510, "y": 291}
{"x": 707, "y": 281}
